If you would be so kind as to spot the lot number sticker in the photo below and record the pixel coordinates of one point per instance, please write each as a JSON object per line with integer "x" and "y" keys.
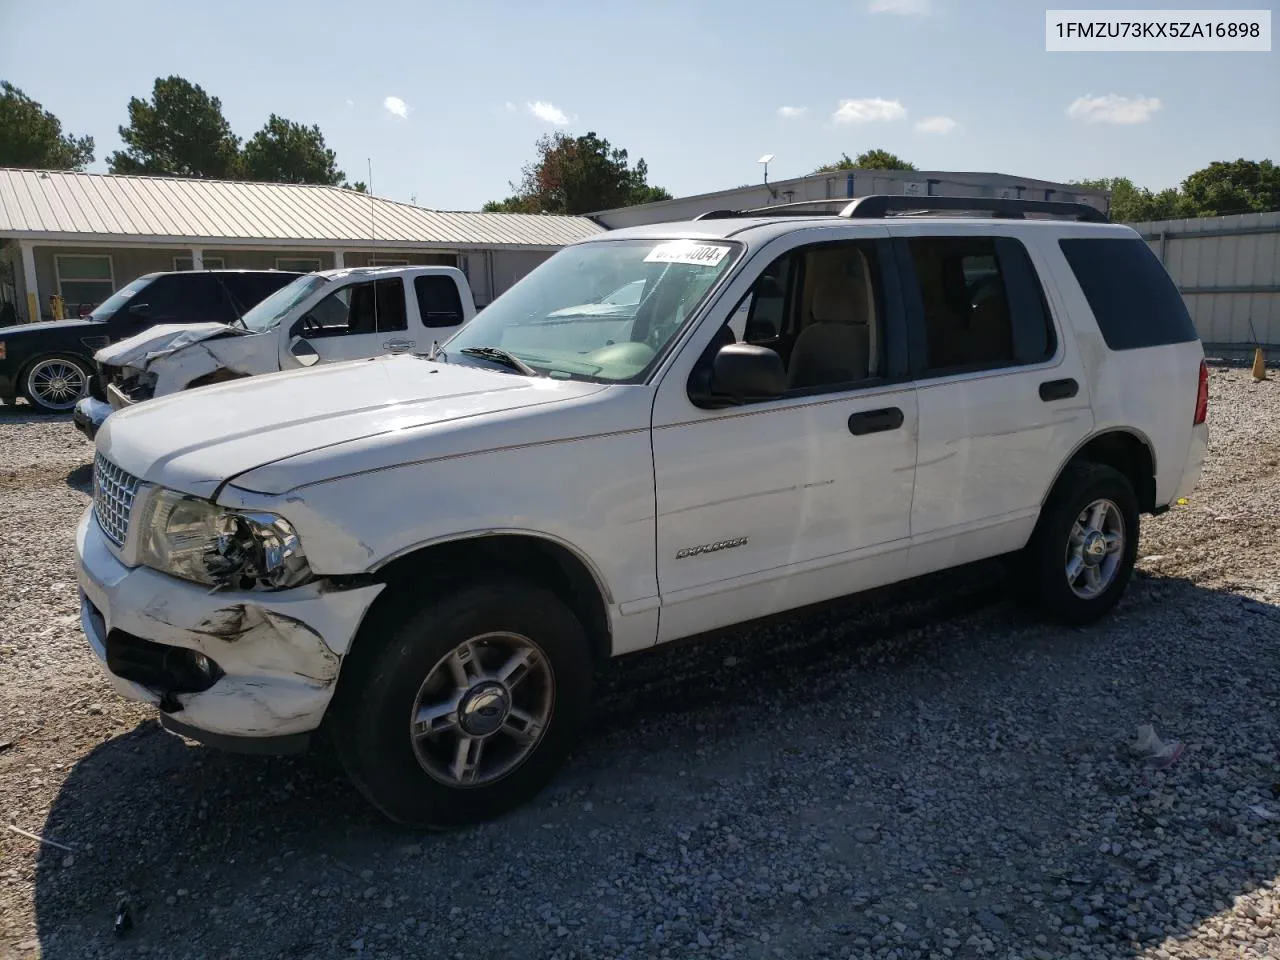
{"x": 681, "y": 251}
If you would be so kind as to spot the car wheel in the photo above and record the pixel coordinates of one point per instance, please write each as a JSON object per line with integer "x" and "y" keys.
{"x": 456, "y": 710}
{"x": 1083, "y": 551}
{"x": 56, "y": 384}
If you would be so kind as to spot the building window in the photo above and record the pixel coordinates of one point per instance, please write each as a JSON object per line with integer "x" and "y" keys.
{"x": 387, "y": 262}
{"x": 210, "y": 263}
{"x": 84, "y": 280}
{"x": 298, "y": 264}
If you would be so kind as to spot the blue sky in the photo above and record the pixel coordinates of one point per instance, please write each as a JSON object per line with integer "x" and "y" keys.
{"x": 447, "y": 99}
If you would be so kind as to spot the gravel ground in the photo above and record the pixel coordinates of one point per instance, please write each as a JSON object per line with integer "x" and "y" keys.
{"x": 932, "y": 773}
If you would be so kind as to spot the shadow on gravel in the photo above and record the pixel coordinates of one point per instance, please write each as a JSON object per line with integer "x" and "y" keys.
{"x": 204, "y": 844}
{"x": 81, "y": 478}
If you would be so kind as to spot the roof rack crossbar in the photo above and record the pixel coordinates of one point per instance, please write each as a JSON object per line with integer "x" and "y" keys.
{"x": 877, "y": 206}
{"x": 797, "y": 208}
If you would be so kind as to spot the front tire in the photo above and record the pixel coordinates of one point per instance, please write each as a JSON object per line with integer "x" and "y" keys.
{"x": 456, "y": 710}
{"x": 56, "y": 384}
{"x": 1082, "y": 553}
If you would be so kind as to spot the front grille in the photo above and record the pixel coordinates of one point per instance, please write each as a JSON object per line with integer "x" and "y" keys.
{"x": 113, "y": 493}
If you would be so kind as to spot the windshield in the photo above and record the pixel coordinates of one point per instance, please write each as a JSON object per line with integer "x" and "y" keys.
{"x": 546, "y": 319}
{"x": 269, "y": 312}
{"x": 107, "y": 308}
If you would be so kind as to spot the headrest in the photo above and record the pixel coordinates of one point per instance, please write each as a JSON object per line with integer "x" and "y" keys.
{"x": 839, "y": 298}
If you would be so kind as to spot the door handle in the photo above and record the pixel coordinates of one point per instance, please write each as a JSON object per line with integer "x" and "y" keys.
{"x": 1058, "y": 389}
{"x": 875, "y": 421}
{"x": 394, "y": 345}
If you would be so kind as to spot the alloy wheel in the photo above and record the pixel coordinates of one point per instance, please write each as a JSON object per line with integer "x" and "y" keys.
{"x": 1095, "y": 547}
{"x": 482, "y": 709}
{"x": 57, "y": 384}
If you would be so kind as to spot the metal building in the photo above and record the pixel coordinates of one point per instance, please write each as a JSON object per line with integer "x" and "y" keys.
{"x": 82, "y": 236}
{"x": 852, "y": 183}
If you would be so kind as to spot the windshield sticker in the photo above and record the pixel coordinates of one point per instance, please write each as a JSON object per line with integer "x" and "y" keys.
{"x": 684, "y": 251}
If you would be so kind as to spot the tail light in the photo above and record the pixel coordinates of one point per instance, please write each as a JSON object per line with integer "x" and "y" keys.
{"x": 1202, "y": 395}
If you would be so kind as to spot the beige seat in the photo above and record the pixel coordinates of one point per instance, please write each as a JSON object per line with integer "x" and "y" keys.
{"x": 835, "y": 346}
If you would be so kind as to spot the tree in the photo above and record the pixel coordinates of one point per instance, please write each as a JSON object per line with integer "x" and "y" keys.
{"x": 359, "y": 186}
{"x": 875, "y": 159}
{"x": 180, "y": 132}
{"x": 1131, "y": 204}
{"x": 1235, "y": 186}
{"x": 287, "y": 152}
{"x": 575, "y": 175}
{"x": 31, "y": 136}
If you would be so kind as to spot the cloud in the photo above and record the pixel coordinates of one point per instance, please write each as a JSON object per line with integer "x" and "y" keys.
{"x": 396, "y": 107}
{"x": 939, "y": 125}
{"x": 548, "y": 113}
{"x": 1113, "y": 108}
{"x": 511, "y": 107}
{"x": 350, "y": 102}
{"x": 903, "y": 8}
{"x": 792, "y": 113}
{"x": 868, "y": 110}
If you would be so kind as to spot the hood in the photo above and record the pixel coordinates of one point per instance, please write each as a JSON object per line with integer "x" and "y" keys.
{"x": 196, "y": 440}
{"x": 165, "y": 338}
{"x": 8, "y": 333}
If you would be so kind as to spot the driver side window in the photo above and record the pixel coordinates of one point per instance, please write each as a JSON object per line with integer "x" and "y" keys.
{"x": 821, "y": 309}
{"x": 360, "y": 308}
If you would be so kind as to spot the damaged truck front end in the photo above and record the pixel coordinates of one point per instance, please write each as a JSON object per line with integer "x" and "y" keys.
{"x": 167, "y": 360}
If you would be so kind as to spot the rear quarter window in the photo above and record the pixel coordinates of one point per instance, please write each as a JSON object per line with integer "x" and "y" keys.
{"x": 1133, "y": 299}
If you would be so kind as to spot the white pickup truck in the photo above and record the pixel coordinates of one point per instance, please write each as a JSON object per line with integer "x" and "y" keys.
{"x": 331, "y": 315}
{"x": 426, "y": 558}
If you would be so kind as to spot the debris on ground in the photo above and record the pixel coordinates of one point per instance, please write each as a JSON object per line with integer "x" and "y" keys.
{"x": 1156, "y": 752}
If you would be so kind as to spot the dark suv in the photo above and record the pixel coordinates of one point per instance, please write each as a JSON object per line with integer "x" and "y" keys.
{"x": 51, "y": 364}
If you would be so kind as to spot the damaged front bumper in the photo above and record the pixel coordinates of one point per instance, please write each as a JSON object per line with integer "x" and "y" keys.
{"x": 89, "y": 415}
{"x": 249, "y": 671}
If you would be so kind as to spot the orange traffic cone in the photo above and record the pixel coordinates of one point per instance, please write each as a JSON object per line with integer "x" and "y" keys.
{"x": 1259, "y": 365}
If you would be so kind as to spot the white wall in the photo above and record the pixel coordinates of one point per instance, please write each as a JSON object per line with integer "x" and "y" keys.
{"x": 1228, "y": 269}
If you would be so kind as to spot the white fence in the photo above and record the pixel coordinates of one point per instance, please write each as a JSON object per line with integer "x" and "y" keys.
{"x": 1228, "y": 269}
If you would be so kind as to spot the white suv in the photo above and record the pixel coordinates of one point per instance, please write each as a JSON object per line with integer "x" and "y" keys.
{"x": 428, "y": 554}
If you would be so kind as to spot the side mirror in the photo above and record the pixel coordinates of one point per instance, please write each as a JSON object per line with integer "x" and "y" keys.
{"x": 739, "y": 372}
{"x": 304, "y": 352}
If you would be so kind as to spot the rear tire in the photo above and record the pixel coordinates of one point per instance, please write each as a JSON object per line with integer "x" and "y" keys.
{"x": 56, "y": 384}
{"x": 458, "y": 709}
{"x": 1081, "y": 555}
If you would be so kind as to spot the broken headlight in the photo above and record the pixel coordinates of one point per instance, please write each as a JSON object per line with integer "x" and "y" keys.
{"x": 200, "y": 541}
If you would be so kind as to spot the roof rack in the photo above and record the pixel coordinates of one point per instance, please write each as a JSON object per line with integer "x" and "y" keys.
{"x": 878, "y": 206}
{"x": 813, "y": 208}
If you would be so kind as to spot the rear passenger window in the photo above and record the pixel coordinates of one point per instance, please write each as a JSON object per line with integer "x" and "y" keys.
{"x": 1131, "y": 295}
{"x": 982, "y": 304}
{"x": 439, "y": 303}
